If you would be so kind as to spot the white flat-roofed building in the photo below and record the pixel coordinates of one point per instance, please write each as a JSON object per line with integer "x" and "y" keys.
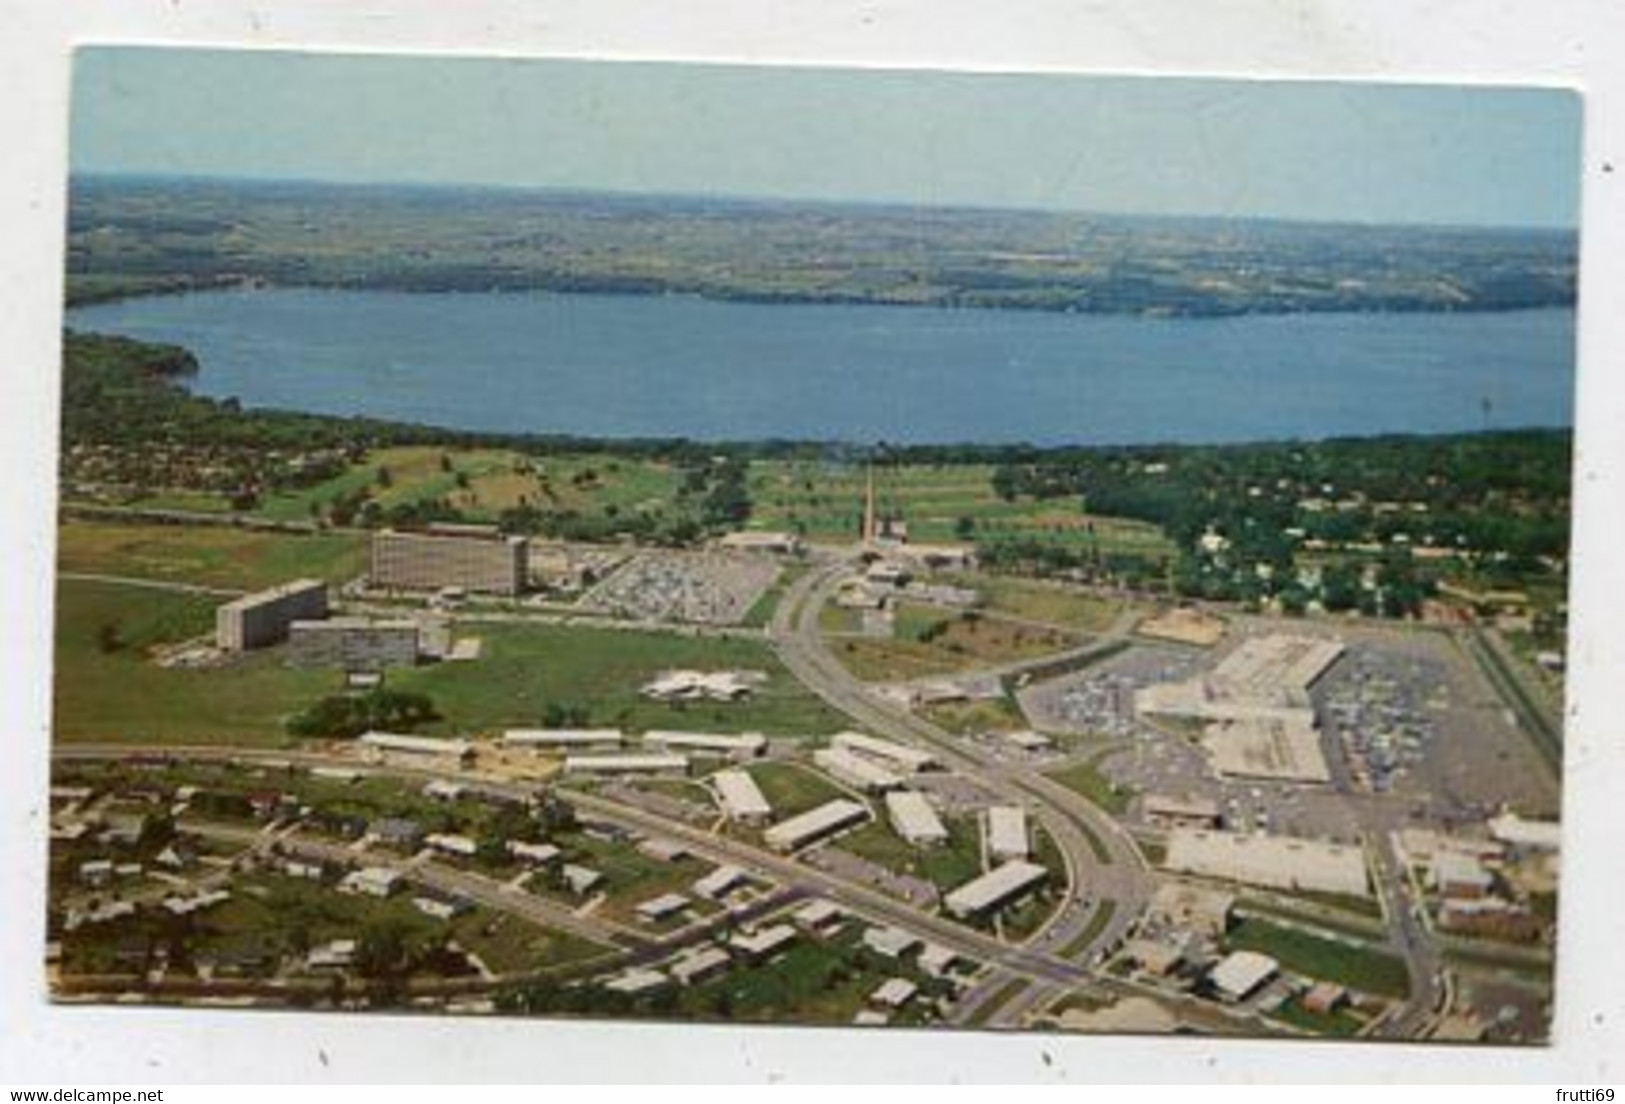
{"x": 1280, "y": 748}
{"x": 1527, "y": 835}
{"x": 1458, "y": 875}
{"x": 440, "y": 908}
{"x": 441, "y": 790}
{"x": 742, "y": 799}
{"x": 913, "y": 818}
{"x": 580, "y": 879}
{"x": 650, "y": 763}
{"x": 998, "y": 887}
{"x": 1278, "y": 862}
{"x": 1027, "y": 740}
{"x": 1180, "y": 812}
{"x": 391, "y": 743}
{"x": 1007, "y": 832}
{"x": 449, "y": 844}
{"x": 262, "y": 618}
{"x": 538, "y": 853}
{"x": 855, "y": 771}
{"x": 659, "y": 908}
{"x": 371, "y": 881}
{"x": 815, "y": 824}
{"x": 754, "y": 540}
{"x": 720, "y": 882}
{"x": 820, "y": 917}
{"x": 1195, "y": 908}
{"x": 744, "y": 745}
{"x": 562, "y": 737}
{"x": 894, "y": 993}
{"x": 902, "y": 757}
{"x": 890, "y": 942}
{"x": 1241, "y": 973}
{"x": 936, "y": 960}
{"x": 763, "y": 943}
{"x": 699, "y": 963}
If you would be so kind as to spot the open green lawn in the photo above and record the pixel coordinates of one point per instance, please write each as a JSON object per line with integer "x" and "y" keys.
{"x": 1050, "y": 603}
{"x": 481, "y": 483}
{"x": 207, "y": 555}
{"x": 1086, "y": 778}
{"x": 940, "y": 503}
{"x": 946, "y": 867}
{"x": 1362, "y": 968}
{"x": 524, "y": 668}
{"x": 931, "y": 641}
{"x": 120, "y": 694}
{"x": 791, "y": 788}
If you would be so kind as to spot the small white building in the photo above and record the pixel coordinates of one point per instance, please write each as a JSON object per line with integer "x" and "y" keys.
{"x": 913, "y": 818}
{"x": 699, "y": 963}
{"x": 764, "y": 943}
{"x": 580, "y": 879}
{"x": 421, "y": 747}
{"x": 900, "y": 757}
{"x": 337, "y": 954}
{"x": 660, "y": 908}
{"x": 821, "y": 917}
{"x": 651, "y": 763}
{"x": 894, "y": 993}
{"x": 720, "y": 882}
{"x": 742, "y": 799}
{"x": 815, "y": 824}
{"x": 890, "y": 942}
{"x": 744, "y": 745}
{"x": 537, "y": 853}
{"x": 855, "y": 770}
{"x": 1241, "y": 974}
{"x": 1001, "y": 886}
{"x": 1007, "y": 833}
{"x": 544, "y": 739}
{"x": 636, "y": 980}
{"x": 371, "y": 881}
{"x": 449, "y": 844}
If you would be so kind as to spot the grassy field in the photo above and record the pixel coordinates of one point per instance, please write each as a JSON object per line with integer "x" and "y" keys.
{"x": 931, "y": 641}
{"x": 1049, "y": 603}
{"x": 946, "y": 867}
{"x": 940, "y": 503}
{"x": 117, "y": 693}
{"x": 207, "y": 555}
{"x": 975, "y": 717}
{"x": 791, "y": 788}
{"x": 481, "y": 483}
{"x": 523, "y": 669}
{"x": 1086, "y": 778}
{"x": 1362, "y": 968}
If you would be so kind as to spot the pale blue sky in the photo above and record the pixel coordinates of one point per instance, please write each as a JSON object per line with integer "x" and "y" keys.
{"x": 1371, "y": 153}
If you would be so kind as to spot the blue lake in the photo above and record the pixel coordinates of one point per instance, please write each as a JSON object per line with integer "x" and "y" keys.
{"x": 622, "y": 366}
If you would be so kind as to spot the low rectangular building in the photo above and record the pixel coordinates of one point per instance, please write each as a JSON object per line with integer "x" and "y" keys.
{"x": 1240, "y": 974}
{"x": 1007, "y": 832}
{"x": 855, "y": 771}
{"x": 353, "y": 644}
{"x": 1282, "y": 747}
{"x": 913, "y": 818}
{"x": 260, "y": 619}
{"x": 997, "y": 888}
{"x": 549, "y": 738}
{"x": 762, "y": 944}
{"x": 901, "y": 757}
{"x": 1276, "y": 862}
{"x": 699, "y": 964}
{"x": 662, "y": 907}
{"x": 815, "y": 824}
{"x": 720, "y": 882}
{"x": 1180, "y": 812}
{"x": 742, "y": 799}
{"x": 626, "y": 764}
{"x": 745, "y": 745}
{"x": 392, "y": 743}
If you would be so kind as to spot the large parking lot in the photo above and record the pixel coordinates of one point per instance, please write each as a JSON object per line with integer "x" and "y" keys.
{"x": 708, "y": 588}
